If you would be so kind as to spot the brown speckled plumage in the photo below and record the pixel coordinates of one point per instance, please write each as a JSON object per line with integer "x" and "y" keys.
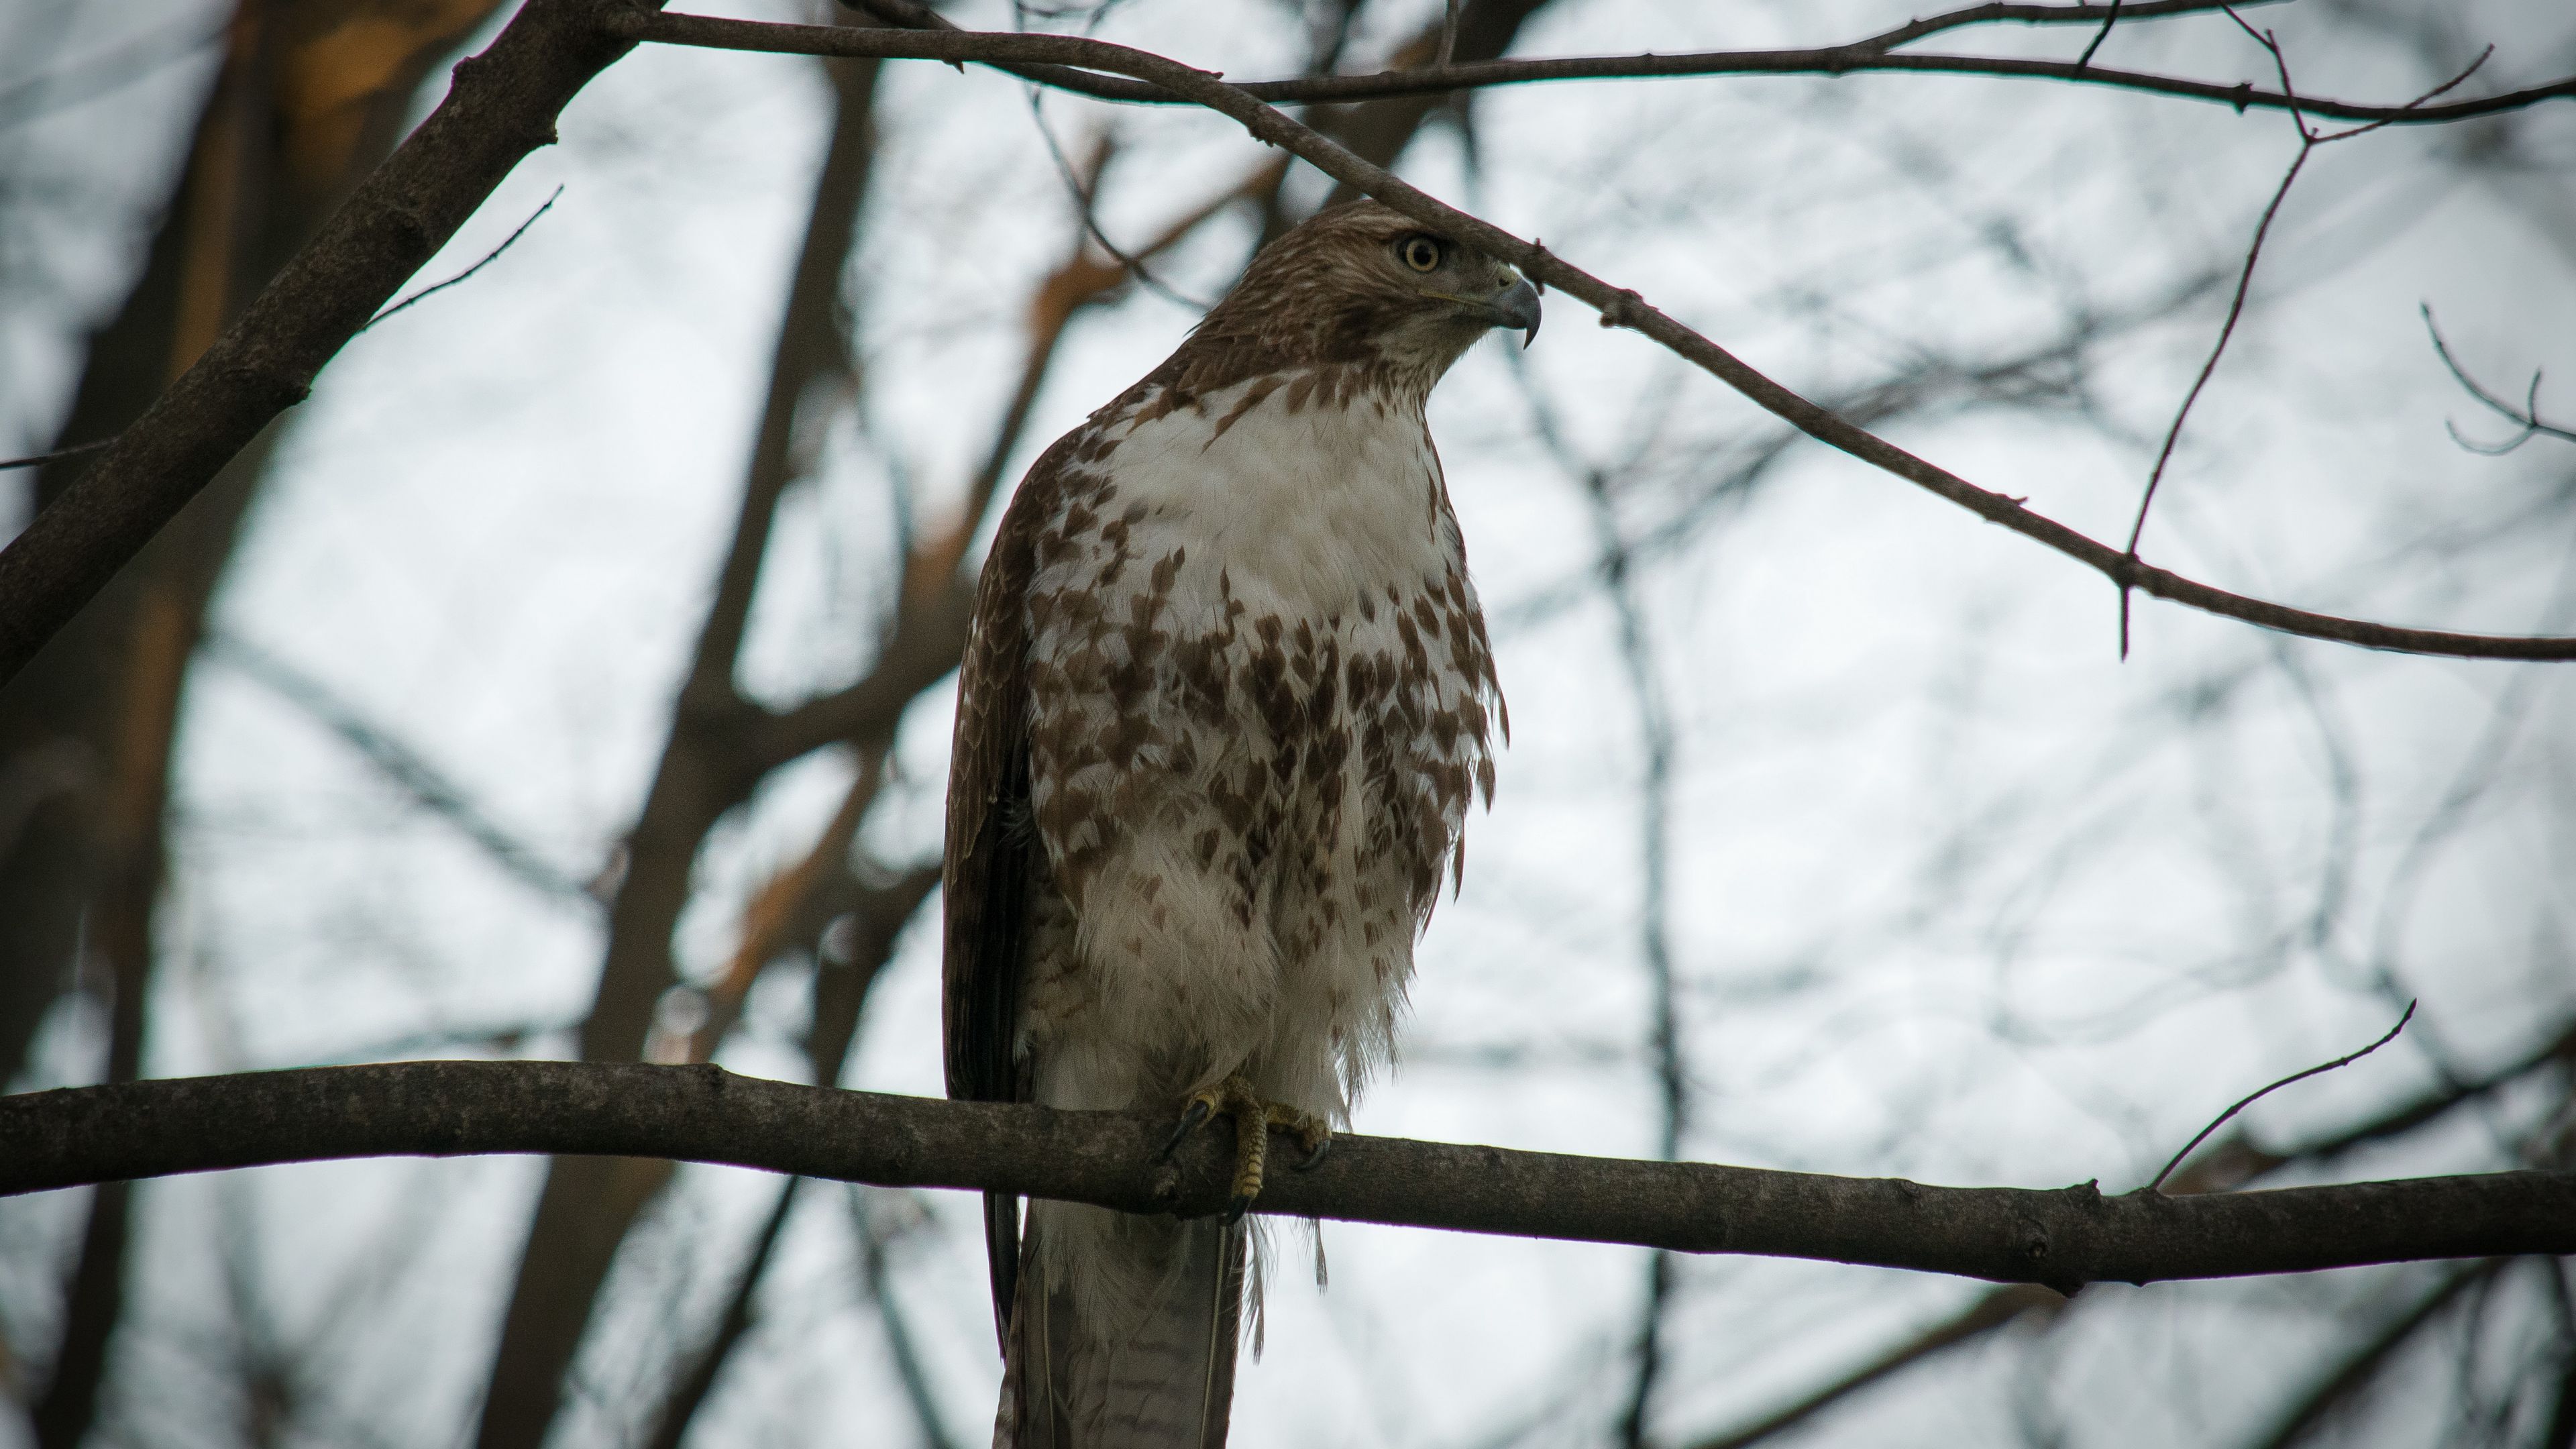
{"x": 1226, "y": 700}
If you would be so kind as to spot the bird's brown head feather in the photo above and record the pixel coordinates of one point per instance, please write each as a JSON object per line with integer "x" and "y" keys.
{"x": 1359, "y": 285}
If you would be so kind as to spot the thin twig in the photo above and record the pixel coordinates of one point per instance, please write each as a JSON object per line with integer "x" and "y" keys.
{"x": 2364, "y": 1364}
{"x": 2309, "y": 140}
{"x": 405, "y": 767}
{"x": 1619, "y": 307}
{"x": 2528, "y": 419}
{"x": 80, "y": 450}
{"x": 96, "y": 76}
{"x": 2227, "y": 330}
{"x": 2099, "y": 36}
{"x": 2235, "y": 307}
{"x": 2252, "y": 1098}
{"x": 877, "y": 1280}
{"x": 2445, "y": 88}
{"x": 1994, "y": 1309}
{"x": 488, "y": 258}
{"x": 1448, "y": 36}
{"x": 1655, "y": 732}
{"x": 2079, "y": 14}
{"x": 1874, "y": 53}
{"x": 1084, "y": 198}
{"x": 689, "y": 1390}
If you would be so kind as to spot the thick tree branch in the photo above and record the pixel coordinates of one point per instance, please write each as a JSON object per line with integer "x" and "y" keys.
{"x": 1619, "y": 307}
{"x": 503, "y": 106}
{"x": 2062, "y": 1238}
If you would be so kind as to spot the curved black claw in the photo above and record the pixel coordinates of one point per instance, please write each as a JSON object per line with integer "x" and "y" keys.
{"x": 1191, "y": 1118}
{"x": 1314, "y": 1156}
{"x": 1235, "y": 1208}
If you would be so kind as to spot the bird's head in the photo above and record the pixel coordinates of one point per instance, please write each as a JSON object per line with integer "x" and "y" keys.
{"x": 1363, "y": 283}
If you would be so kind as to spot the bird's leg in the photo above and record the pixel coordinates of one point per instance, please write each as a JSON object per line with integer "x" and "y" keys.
{"x": 1312, "y": 1132}
{"x": 1253, "y": 1119}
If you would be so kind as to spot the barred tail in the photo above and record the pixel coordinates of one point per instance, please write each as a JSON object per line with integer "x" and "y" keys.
{"x": 1122, "y": 1333}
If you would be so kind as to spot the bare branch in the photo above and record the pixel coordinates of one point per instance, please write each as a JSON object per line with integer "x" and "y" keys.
{"x": 2527, "y": 417}
{"x": 2235, "y": 309}
{"x": 1619, "y": 307}
{"x": 1992, "y": 1310}
{"x": 38, "y": 460}
{"x": 1085, "y": 187}
{"x": 2347, "y": 1059}
{"x": 488, "y": 259}
{"x": 2099, "y": 36}
{"x": 788, "y": 910}
{"x": 1654, "y": 926}
{"x": 2309, "y": 140}
{"x": 1066, "y": 71}
{"x": 501, "y": 107}
{"x": 2062, "y": 1238}
{"x": 407, "y": 768}
{"x": 2357, "y": 1370}
{"x": 689, "y": 1391}
{"x": 900, "y": 1345}
{"x": 925, "y": 646}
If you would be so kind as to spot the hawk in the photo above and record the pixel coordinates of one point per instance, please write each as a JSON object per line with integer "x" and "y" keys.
{"x": 1226, "y": 696}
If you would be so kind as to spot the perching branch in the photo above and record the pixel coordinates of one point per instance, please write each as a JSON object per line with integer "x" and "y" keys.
{"x": 1619, "y": 307}
{"x": 2062, "y": 1238}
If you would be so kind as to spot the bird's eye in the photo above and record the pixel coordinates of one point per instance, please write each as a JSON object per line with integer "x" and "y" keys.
{"x": 1421, "y": 253}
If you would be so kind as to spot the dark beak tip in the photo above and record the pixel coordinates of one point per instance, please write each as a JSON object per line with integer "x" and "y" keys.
{"x": 1520, "y": 311}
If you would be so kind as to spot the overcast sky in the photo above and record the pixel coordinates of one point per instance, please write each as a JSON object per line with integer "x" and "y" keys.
{"x": 1955, "y": 892}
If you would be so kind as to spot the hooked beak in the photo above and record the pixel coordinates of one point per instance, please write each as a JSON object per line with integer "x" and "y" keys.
{"x": 1516, "y": 307}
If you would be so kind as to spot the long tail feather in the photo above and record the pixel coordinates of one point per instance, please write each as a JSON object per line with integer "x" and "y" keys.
{"x": 1123, "y": 1332}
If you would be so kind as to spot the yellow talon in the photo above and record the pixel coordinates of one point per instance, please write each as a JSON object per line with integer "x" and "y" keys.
{"x": 1253, "y": 1119}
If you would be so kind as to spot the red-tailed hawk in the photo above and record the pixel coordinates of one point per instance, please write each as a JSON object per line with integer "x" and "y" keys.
{"x": 1226, "y": 698}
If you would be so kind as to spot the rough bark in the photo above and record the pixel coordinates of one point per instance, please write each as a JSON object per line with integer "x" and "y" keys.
{"x": 2061, "y": 1238}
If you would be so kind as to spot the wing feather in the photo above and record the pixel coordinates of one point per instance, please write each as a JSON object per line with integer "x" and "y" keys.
{"x": 988, "y": 866}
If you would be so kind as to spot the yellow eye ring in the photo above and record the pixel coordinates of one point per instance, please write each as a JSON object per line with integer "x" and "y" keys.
{"x": 1421, "y": 253}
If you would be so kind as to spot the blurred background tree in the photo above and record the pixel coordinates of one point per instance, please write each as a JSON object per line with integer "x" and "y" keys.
{"x": 578, "y": 688}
